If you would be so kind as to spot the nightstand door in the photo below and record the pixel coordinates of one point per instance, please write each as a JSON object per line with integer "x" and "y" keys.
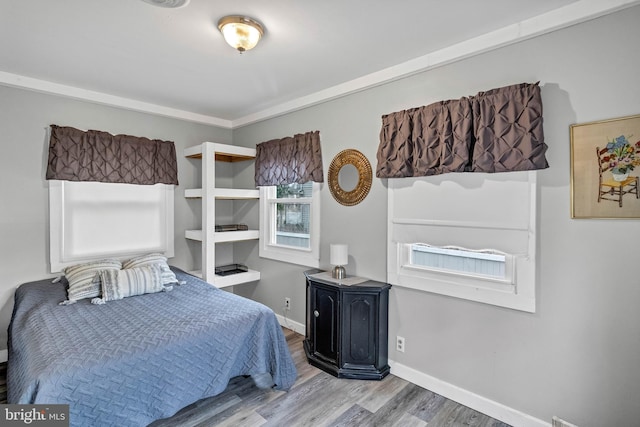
{"x": 360, "y": 329}
{"x": 324, "y": 321}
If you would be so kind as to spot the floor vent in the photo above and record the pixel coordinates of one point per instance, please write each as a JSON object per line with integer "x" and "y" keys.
{"x": 557, "y": 422}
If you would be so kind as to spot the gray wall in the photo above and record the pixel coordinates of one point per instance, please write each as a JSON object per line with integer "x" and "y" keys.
{"x": 578, "y": 356}
{"x": 24, "y": 220}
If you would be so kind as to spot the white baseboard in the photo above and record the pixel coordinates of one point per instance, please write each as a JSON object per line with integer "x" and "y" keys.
{"x": 4, "y": 355}
{"x": 465, "y": 397}
{"x": 457, "y": 394}
{"x": 290, "y": 324}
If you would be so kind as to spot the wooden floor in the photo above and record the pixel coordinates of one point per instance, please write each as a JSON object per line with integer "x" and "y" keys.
{"x": 319, "y": 399}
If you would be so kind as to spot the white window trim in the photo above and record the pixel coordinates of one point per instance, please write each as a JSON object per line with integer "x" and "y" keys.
{"x": 302, "y": 256}
{"x": 520, "y": 295}
{"x": 107, "y": 199}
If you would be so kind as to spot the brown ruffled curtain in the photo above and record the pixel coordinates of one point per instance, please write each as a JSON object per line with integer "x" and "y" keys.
{"x": 76, "y": 155}
{"x": 426, "y": 141}
{"x": 496, "y": 131}
{"x": 507, "y": 125}
{"x": 296, "y": 159}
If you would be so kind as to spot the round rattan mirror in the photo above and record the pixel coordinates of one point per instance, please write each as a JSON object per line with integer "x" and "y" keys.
{"x": 342, "y": 175}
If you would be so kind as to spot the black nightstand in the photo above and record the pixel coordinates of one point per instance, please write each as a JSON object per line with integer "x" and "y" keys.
{"x": 347, "y": 326}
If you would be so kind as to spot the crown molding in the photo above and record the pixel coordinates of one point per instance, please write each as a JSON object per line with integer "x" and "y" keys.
{"x": 572, "y": 14}
{"x": 44, "y": 86}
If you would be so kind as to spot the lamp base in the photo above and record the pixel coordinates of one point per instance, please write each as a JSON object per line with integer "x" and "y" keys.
{"x": 338, "y": 272}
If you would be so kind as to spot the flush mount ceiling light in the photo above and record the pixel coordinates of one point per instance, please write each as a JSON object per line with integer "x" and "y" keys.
{"x": 170, "y": 4}
{"x": 241, "y": 32}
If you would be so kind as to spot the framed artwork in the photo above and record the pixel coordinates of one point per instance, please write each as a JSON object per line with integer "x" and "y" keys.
{"x": 605, "y": 169}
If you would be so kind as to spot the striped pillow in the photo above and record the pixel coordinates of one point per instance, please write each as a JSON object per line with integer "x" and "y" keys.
{"x": 118, "y": 284}
{"x": 168, "y": 276}
{"x": 84, "y": 281}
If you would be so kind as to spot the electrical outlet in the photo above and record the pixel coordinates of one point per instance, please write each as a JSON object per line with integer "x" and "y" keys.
{"x": 400, "y": 344}
{"x": 287, "y": 303}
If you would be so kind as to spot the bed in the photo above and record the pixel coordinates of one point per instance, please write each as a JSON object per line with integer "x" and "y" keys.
{"x": 142, "y": 358}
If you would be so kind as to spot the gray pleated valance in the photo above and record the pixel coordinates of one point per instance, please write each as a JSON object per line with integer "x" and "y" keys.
{"x": 76, "y": 155}
{"x": 289, "y": 160}
{"x": 495, "y": 131}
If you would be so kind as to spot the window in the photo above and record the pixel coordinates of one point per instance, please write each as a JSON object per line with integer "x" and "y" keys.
{"x": 457, "y": 216}
{"x": 485, "y": 264}
{"x": 93, "y": 220}
{"x": 456, "y": 271}
{"x": 290, "y": 216}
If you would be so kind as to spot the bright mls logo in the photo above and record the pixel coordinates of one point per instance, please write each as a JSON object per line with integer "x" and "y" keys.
{"x": 35, "y": 415}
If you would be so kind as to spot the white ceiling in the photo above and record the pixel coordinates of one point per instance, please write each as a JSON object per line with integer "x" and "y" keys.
{"x": 174, "y": 61}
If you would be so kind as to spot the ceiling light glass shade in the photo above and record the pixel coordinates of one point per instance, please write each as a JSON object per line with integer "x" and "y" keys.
{"x": 242, "y": 33}
{"x": 171, "y": 4}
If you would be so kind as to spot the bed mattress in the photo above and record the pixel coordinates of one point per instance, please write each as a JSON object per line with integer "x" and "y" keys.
{"x": 135, "y": 360}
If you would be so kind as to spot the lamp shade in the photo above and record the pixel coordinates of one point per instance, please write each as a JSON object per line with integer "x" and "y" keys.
{"x": 339, "y": 254}
{"x": 241, "y": 32}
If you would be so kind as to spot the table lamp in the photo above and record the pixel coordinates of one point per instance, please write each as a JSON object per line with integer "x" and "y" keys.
{"x": 339, "y": 258}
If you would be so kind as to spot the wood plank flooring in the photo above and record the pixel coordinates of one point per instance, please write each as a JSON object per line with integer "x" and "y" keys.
{"x": 319, "y": 399}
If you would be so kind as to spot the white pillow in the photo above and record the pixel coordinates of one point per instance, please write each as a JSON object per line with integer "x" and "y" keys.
{"x": 84, "y": 281}
{"x": 119, "y": 284}
{"x": 168, "y": 276}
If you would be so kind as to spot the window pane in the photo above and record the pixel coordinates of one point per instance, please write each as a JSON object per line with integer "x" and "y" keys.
{"x": 459, "y": 260}
{"x": 292, "y": 228}
{"x": 294, "y": 190}
{"x": 293, "y": 219}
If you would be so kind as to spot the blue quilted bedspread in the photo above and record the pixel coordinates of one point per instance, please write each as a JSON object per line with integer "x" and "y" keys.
{"x": 132, "y": 361}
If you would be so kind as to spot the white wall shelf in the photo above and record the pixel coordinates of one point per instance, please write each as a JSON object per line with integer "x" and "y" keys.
{"x": 224, "y": 236}
{"x": 210, "y": 153}
{"x": 224, "y": 193}
{"x": 232, "y": 279}
{"x": 222, "y": 152}
{"x": 236, "y": 236}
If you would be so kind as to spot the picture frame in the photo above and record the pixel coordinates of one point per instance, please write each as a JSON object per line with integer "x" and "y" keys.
{"x": 605, "y": 169}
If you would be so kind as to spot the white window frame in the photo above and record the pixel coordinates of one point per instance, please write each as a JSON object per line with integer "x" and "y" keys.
{"x": 302, "y": 256}
{"x": 87, "y": 221}
{"x": 518, "y": 293}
